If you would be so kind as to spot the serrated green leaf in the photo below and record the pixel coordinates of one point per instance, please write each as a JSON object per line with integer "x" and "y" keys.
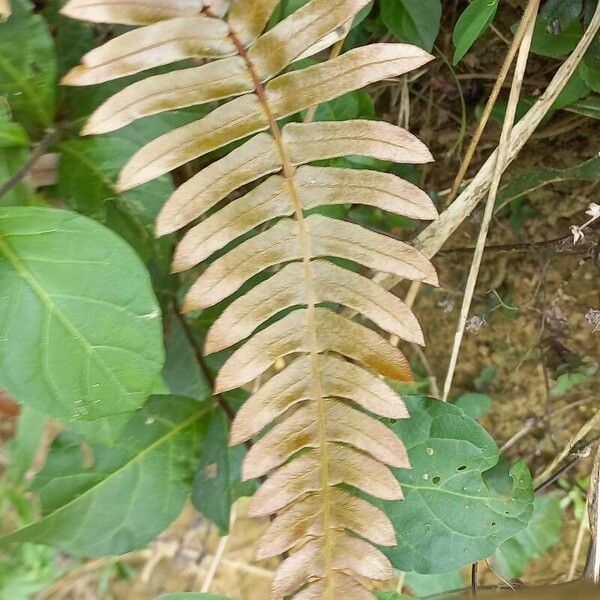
{"x": 27, "y": 75}
{"x": 413, "y": 21}
{"x": 450, "y": 517}
{"x": 81, "y": 327}
{"x": 542, "y": 532}
{"x": 471, "y": 25}
{"x": 130, "y": 493}
{"x": 535, "y": 179}
{"x": 218, "y": 484}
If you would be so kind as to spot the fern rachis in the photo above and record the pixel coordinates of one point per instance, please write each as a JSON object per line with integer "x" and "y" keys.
{"x": 320, "y": 439}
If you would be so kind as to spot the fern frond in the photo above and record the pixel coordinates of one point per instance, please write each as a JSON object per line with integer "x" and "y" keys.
{"x": 321, "y": 405}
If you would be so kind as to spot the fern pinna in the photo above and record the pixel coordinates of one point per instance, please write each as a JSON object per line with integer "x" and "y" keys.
{"x": 322, "y": 442}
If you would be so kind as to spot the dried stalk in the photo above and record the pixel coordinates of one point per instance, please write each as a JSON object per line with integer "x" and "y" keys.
{"x": 433, "y": 237}
{"x": 515, "y": 92}
{"x": 487, "y": 111}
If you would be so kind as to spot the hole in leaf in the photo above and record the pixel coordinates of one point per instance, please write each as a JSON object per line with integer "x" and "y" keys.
{"x": 462, "y": 468}
{"x": 436, "y": 479}
{"x": 493, "y": 523}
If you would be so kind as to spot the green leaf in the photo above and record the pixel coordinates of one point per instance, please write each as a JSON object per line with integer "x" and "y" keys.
{"x": 413, "y": 21}
{"x": 354, "y": 105}
{"x": 392, "y": 596}
{"x": 547, "y": 42}
{"x": 88, "y": 171}
{"x": 575, "y": 89}
{"x": 474, "y": 405}
{"x": 130, "y": 493}
{"x": 217, "y": 484}
{"x": 12, "y": 135}
{"x": 542, "y": 532}
{"x": 81, "y": 328}
{"x": 588, "y": 107}
{"x": 450, "y": 517}
{"x": 182, "y": 373}
{"x": 23, "y": 447}
{"x": 14, "y": 153}
{"x": 535, "y": 179}
{"x": 27, "y": 67}
{"x": 429, "y": 585}
{"x": 471, "y": 25}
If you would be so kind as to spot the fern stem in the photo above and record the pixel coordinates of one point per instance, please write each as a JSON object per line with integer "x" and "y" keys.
{"x": 288, "y": 171}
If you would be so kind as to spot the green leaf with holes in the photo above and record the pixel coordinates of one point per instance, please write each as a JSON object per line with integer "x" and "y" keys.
{"x": 542, "y": 532}
{"x": 27, "y": 67}
{"x": 452, "y": 515}
{"x": 98, "y": 500}
{"x": 80, "y": 327}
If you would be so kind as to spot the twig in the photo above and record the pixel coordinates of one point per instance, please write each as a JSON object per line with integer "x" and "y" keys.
{"x": 583, "y": 431}
{"x": 487, "y": 111}
{"x": 47, "y": 141}
{"x": 214, "y": 565}
{"x": 577, "y": 548}
{"x": 592, "y": 566}
{"x": 474, "y": 569}
{"x": 582, "y": 453}
{"x": 515, "y": 92}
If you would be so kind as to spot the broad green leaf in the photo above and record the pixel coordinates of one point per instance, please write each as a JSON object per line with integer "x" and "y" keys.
{"x": 542, "y": 532}
{"x": 182, "y": 373}
{"x": 576, "y": 89}
{"x": 13, "y": 160}
{"x": 474, "y": 405}
{"x": 588, "y": 107}
{"x": 535, "y": 179}
{"x": 471, "y": 25}
{"x": 73, "y": 38}
{"x": 392, "y": 596}
{"x": 423, "y": 586}
{"x": 591, "y": 73}
{"x": 81, "y": 328}
{"x": 413, "y": 21}
{"x": 88, "y": 171}
{"x": 555, "y": 43}
{"x": 27, "y": 67}
{"x": 450, "y": 517}
{"x": 12, "y": 135}
{"x": 355, "y": 105}
{"x": 14, "y": 154}
{"x": 23, "y": 447}
{"x": 130, "y": 493}
{"x": 217, "y": 484}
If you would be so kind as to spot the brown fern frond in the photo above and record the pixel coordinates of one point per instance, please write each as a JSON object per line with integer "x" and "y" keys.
{"x": 321, "y": 405}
